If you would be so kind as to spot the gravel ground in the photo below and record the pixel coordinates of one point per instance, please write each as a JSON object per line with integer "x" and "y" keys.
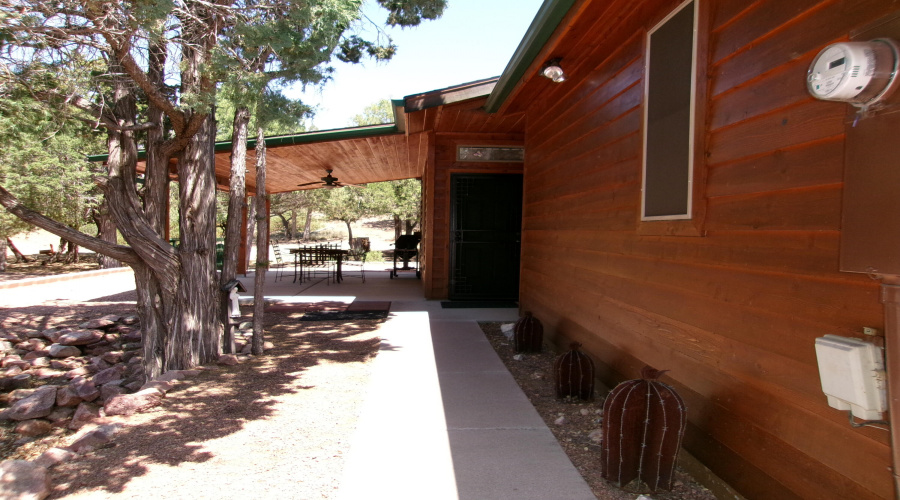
{"x": 276, "y": 426}
{"x": 579, "y": 419}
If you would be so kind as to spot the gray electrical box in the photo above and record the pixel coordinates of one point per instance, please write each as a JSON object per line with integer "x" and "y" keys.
{"x": 870, "y": 217}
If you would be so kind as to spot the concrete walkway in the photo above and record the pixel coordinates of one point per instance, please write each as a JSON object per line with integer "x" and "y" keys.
{"x": 443, "y": 418}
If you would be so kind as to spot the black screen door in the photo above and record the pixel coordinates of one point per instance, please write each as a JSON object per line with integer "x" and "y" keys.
{"x": 485, "y": 236}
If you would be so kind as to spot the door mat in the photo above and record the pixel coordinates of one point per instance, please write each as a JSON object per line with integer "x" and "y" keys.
{"x": 343, "y": 315}
{"x": 307, "y": 307}
{"x": 479, "y": 304}
{"x": 369, "y": 305}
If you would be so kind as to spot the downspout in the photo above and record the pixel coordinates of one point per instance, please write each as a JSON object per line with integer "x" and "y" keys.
{"x": 890, "y": 297}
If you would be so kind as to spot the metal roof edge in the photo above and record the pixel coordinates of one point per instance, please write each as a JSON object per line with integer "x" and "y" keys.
{"x": 449, "y": 95}
{"x": 545, "y": 23}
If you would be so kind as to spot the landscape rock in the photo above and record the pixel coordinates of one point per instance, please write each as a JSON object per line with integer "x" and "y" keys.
{"x": 131, "y": 319}
{"x": 38, "y": 353}
{"x": 37, "y": 405}
{"x": 54, "y": 456}
{"x": 160, "y": 385}
{"x": 596, "y": 435}
{"x": 65, "y": 396}
{"x": 86, "y": 413}
{"x": 23, "y": 480}
{"x": 53, "y": 334}
{"x": 228, "y": 359}
{"x": 95, "y": 438}
{"x": 5, "y": 345}
{"x": 60, "y": 414}
{"x": 108, "y": 375}
{"x": 170, "y": 375}
{"x": 84, "y": 388}
{"x": 109, "y": 391}
{"x": 80, "y": 372}
{"x": 40, "y": 362}
{"x": 45, "y": 373}
{"x": 129, "y": 404}
{"x": 33, "y": 428}
{"x": 80, "y": 337}
{"x": 132, "y": 385}
{"x": 113, "y": 357}
{"x": 107, "y": 321}
{"x": 133, "y": 335}
{"x": 34, "y": 334}
{"x": 14, "y": 360}
{"x": 37, "y": 344}
{"x": 19, "y": 381}
{"x": 63, "y": 351}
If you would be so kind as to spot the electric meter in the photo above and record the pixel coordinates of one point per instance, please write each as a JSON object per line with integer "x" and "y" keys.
{"x": 860, "y": 73}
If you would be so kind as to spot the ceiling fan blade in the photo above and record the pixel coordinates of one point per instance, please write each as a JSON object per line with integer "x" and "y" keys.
{"x": 309, "y": 183}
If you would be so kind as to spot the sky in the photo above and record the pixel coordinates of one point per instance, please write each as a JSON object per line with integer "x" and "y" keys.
{"x": 473, "y": 40}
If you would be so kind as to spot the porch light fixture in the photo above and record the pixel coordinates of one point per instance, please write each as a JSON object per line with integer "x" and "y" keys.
{"x": 553, "y": 71}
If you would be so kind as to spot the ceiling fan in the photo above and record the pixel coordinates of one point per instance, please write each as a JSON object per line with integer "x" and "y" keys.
{"x": 329, "y": 181}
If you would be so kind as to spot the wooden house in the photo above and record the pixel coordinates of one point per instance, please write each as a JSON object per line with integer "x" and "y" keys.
{"x": 724, "y": 273}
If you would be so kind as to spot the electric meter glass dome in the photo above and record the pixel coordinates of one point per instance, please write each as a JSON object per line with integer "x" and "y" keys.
{"x": 853, "y": 72}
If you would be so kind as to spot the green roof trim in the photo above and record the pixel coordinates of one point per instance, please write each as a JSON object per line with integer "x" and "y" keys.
{"x": 545, "y": 23}
{"x": 304, "y": 138}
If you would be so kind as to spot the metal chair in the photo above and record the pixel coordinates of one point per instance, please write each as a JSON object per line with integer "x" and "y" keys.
{"x": 355, "y": 261}
{"x": 279, "y": 263}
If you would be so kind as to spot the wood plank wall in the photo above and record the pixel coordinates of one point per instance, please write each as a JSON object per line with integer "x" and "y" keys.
{"x": 734, "y": 312}
{"x": 436, "y": 279}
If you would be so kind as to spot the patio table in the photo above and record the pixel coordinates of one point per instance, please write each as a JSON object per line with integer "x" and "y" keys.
{"x": 313, "y": 256}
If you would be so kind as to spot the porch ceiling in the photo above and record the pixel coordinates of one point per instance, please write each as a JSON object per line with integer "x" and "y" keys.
{"x": 357, "y": 156}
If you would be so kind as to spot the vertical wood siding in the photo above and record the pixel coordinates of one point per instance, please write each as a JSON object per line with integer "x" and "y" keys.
{"x": 732, "y": 313}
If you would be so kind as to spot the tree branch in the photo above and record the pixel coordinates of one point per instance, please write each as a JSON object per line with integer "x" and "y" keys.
{"x": 15, "y": 207}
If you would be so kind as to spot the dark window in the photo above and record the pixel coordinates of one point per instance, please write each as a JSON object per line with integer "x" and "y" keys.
{"x": 668, "y": 116}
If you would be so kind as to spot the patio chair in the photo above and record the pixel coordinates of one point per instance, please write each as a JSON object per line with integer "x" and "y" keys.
{"x": 316, "y": 260}
{"x": 354, "y": 262}
{"x": 279, "y": 262}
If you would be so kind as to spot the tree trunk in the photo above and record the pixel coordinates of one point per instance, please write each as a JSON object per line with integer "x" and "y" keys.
{"x": 19, "y": 255}
{"x": 286, "y": 224}
{"x": 3, "y": 244}
{"x": 106, "y": 227}
{"x": 293, "y": 224}
{"x": 308, "y": 225}
{"x": 398, "y": 227}
{"x": 262, "y": 245}
{"x": 349, "y": 234}
{"x": 251, "y": 230}
{"x": 410, "y": 225}
{"x": 195, "y": 333}
{"x": 236, "y": 199}
{"x": 72, "y": 256}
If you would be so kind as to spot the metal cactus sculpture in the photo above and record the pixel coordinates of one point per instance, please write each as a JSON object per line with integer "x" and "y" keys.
{"x": 643, "y": 424}
{"x": 573, "y": 373}
{"x": 528, "y": 335}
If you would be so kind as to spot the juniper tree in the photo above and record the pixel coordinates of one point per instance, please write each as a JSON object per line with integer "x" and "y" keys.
{"x": 140, "y": 42}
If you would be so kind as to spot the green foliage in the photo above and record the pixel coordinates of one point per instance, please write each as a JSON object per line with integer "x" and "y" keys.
{"x": 375, "y": 114}
{"x": 43, "y": 161}
{"x": 411, "y": 12}
{"x": 351, "y": 204}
